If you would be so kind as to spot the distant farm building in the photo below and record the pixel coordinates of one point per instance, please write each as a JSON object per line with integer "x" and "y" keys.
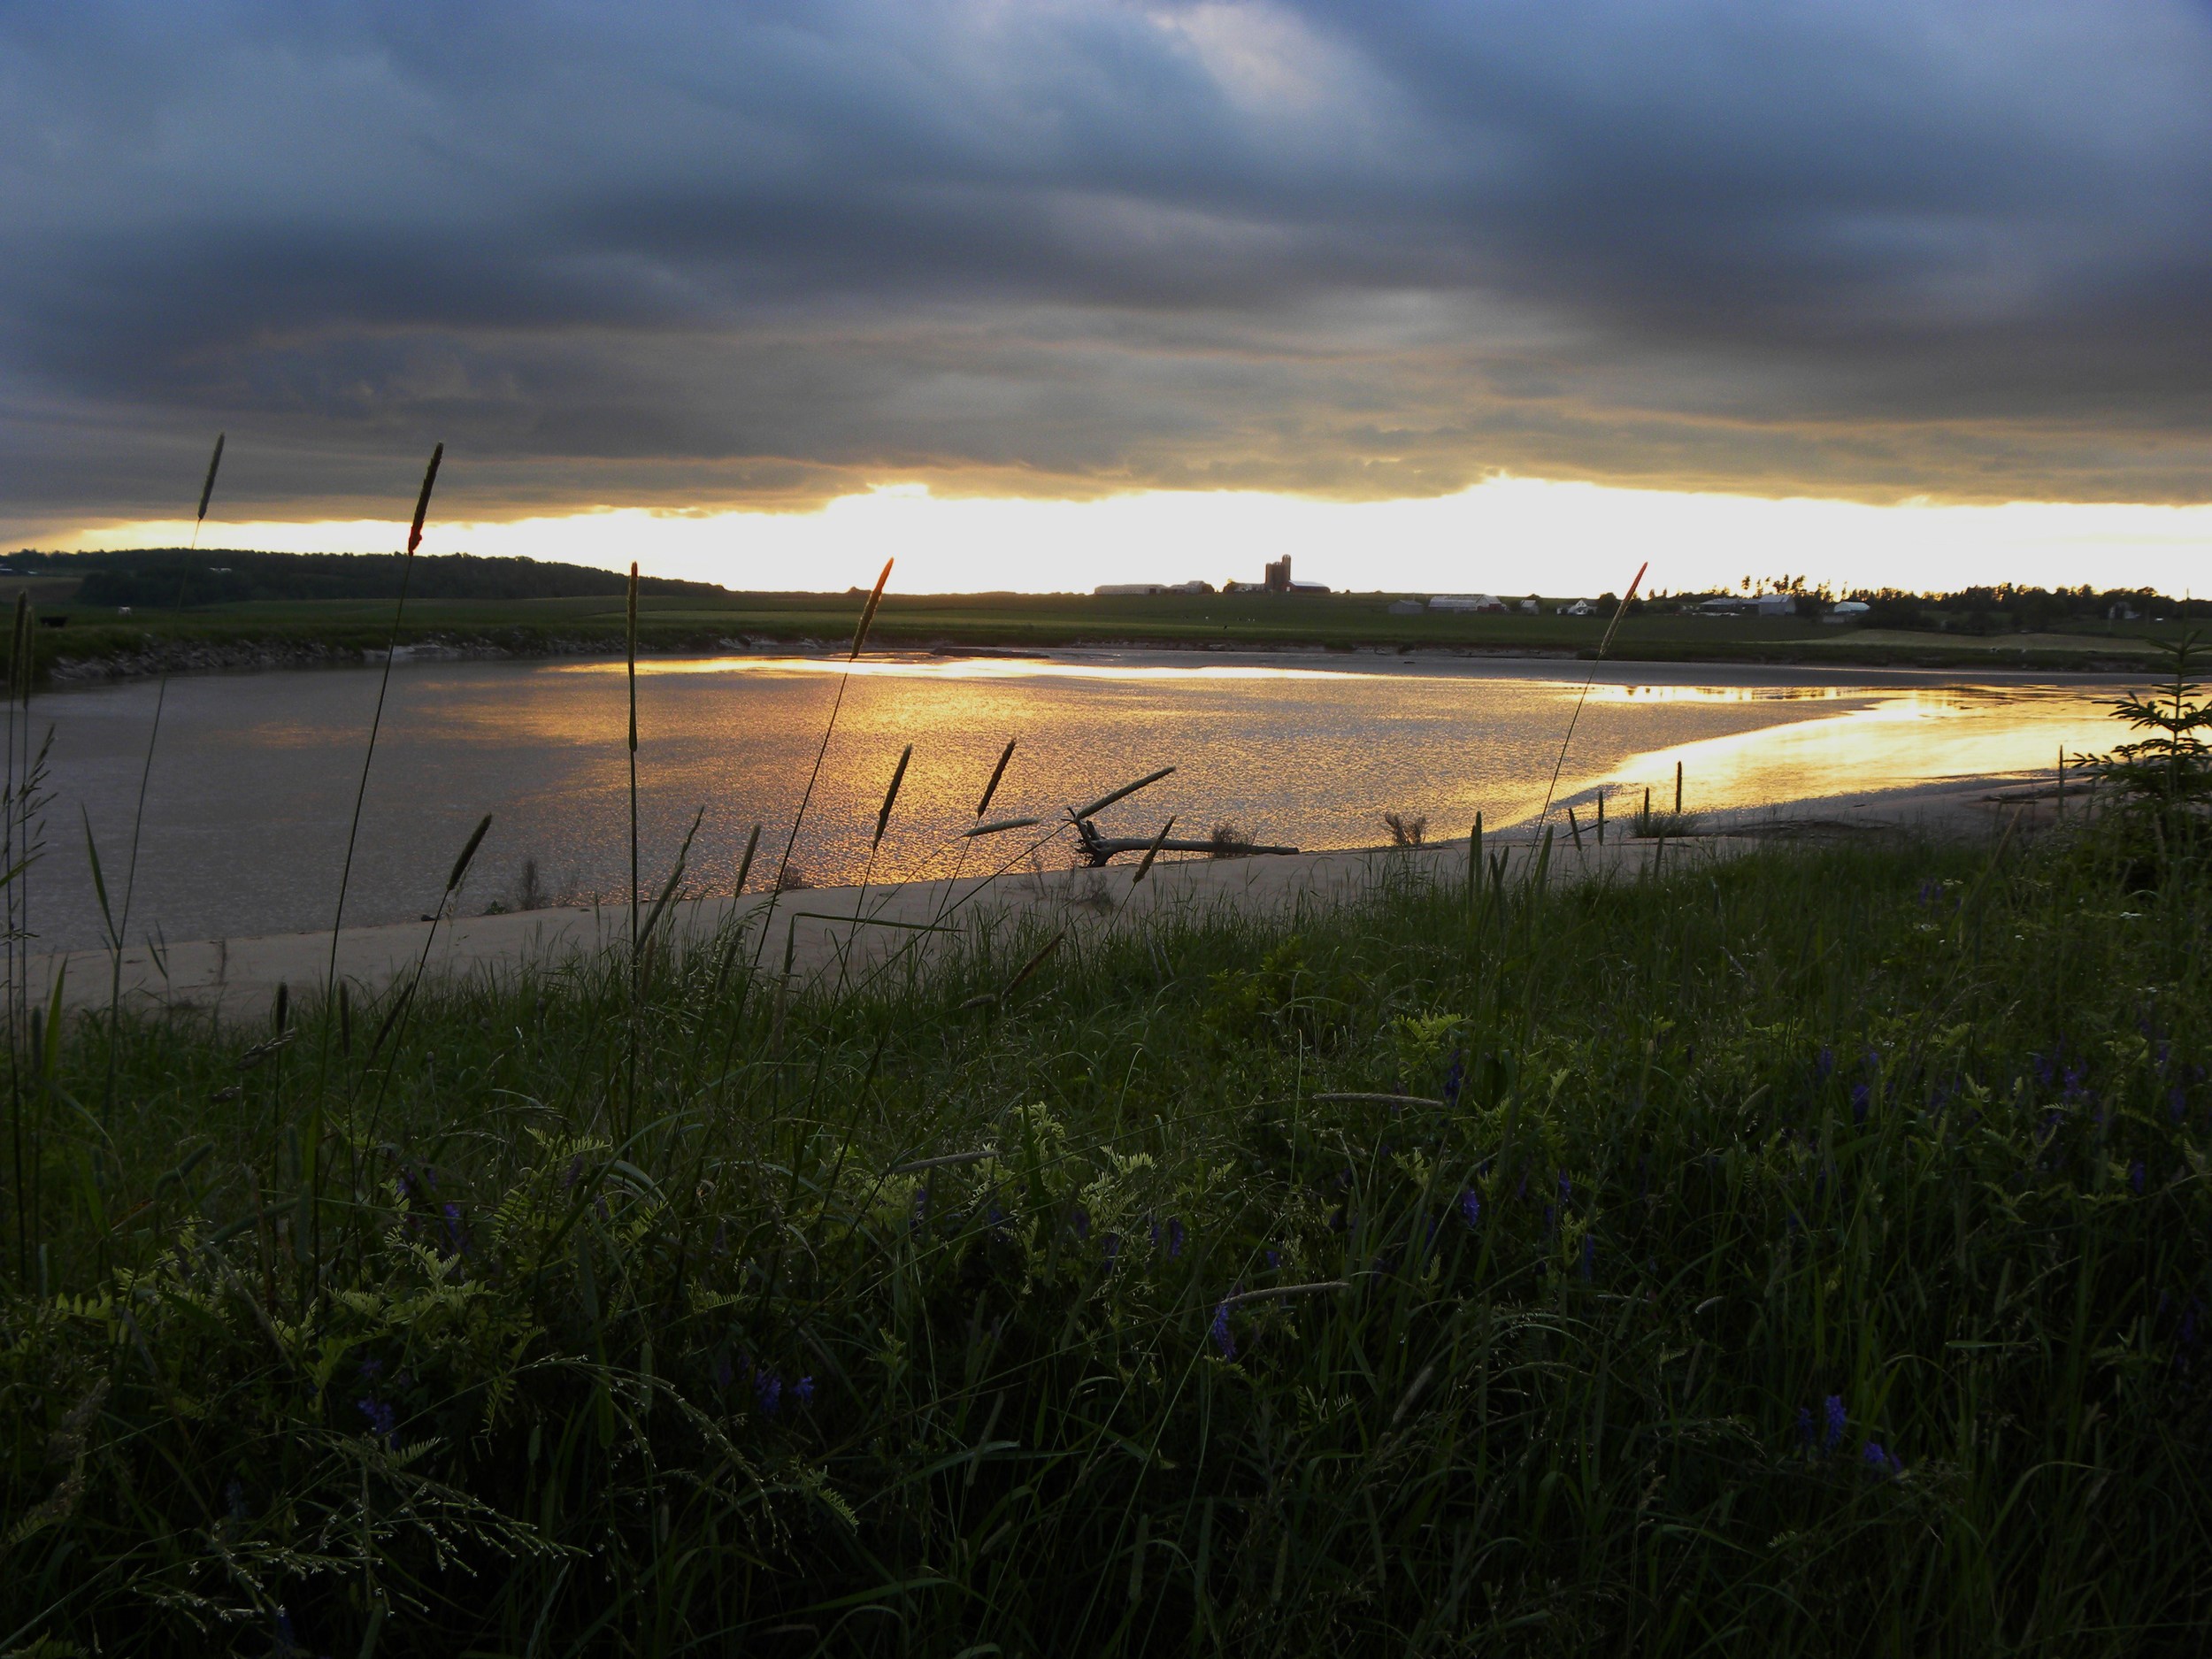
{"x": 1488, "y": 603}
{"x": 1126, "y": 590}
{"x": 1406, "y": 606}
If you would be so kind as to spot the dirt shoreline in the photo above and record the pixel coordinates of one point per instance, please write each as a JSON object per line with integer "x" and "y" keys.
{"x": 237, "y": 979}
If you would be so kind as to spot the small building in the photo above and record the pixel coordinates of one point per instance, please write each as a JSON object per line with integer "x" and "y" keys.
{"x": 1190, "y": 587}
{"x": 1577, "y": 607}
{"x": 1488, "y": 603}
{"x": 1849, "y": 611}
{"x": 1531, "y": 606}
{"x": 1126, "y": 590}
{"x": 1406, "y": 606}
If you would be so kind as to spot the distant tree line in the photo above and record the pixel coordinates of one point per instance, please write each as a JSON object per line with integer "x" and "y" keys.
{"x": 2004, "y": 608}
{"x": 156, "y": 577}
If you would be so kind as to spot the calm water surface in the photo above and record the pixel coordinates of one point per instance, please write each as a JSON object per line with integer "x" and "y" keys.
{"x": 253, "y": 782}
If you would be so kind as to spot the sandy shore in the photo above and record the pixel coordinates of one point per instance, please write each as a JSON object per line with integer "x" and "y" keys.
{"x": 815, "y": 929}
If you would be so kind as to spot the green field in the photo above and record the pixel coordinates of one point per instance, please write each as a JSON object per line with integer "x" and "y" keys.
{"x": 1805, "y": 1257}
{"x": 1018, "y": 621}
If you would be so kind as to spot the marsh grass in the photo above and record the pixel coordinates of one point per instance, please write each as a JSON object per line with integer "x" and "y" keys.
{"x": 1808, "y": 1261}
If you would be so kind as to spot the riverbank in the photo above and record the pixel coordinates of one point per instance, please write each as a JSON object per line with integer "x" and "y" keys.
{"x": 842, "y": 936}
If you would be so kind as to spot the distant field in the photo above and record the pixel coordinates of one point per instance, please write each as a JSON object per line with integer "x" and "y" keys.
{"x": 1034, "y": 621}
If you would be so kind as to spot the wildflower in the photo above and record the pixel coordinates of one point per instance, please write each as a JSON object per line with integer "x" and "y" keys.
{"x": 1882, "y": 1461}
{"x": 1471, "y": 1208}
{"x": 1832, "y": 1422}
{"x": 1566, "y": 1188}
{"x": 2176, "y": 1103}
{"x": 1454, "y": 1079}
{"x": 1224, "y": 1338}
{"x": 371, "y": 1368}
{"x": 383, "y": 1421}
{"x": 234, "y": 1498}
{"x": 2135, "y": 1177}
{"x": 575, "y": 1173}
{"x": 1111, "y": 1243}
{"x": 1823, "y": 1064}
{"x": 1860, "y": 1098}
{"x": 768, "y": 1387}
{"x": 286, "y": 1643}
{"x": 1174, "y": 1238}
{"x": 1589, "y": 1255}
{"x": 1274, "y": 1258}
{"x": 455, "y": 1234}
{"x": 803, "y": 1391}
{"x": 1079, "y": 1223}
{"x": 995, "y": 1218}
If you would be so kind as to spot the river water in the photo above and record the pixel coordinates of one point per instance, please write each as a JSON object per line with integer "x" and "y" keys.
{"x": 252, "y": 784}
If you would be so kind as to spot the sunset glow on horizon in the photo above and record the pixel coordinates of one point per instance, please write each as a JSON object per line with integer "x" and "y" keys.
{"x": 1507, "y": 535}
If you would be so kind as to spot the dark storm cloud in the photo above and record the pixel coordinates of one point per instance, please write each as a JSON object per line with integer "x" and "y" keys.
{"x": 714, "y": 253}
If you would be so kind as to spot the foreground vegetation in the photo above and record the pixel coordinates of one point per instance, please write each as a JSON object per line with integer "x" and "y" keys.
{"x": 1808, "y": 1255}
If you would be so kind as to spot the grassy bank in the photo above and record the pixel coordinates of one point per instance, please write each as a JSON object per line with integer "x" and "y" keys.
{"x": 302, "y": 631}
{"x": 1809, "y": 1256}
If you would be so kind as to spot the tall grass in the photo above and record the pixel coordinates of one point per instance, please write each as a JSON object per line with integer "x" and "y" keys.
{"x": 1813, "y": 1262}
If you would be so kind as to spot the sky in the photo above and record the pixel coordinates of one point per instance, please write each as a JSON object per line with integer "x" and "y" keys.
{"x": 1469, "y": 295}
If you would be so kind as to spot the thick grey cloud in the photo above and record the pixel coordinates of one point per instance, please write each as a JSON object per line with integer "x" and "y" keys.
{"x": 693, "y": 253}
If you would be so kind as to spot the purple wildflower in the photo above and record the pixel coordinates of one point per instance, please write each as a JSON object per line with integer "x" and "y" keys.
{"x": 1111, "y": 1244}
{"x": 2135, "y": 1177}
{"x": 1471, "y": 1208}
{"x": 768, "y": 1387}
{"x": 1079, "y": 1223}
{"x": 1455, "y": 1079}
{"x": 1833, "y": 1420}
{"x": 1566, "y": 1188}
{"x": 803, "y": 1391}
{"x": 2176, "y": 1103}
{"x": 1224, "y": 1338}
{"x": 371, "y": 1368}
{"x": 1273, "y": 1258}
{"x": 1589, "y": 1255}
{"x": 457, "y": 1235}
{"x": 1883, "y": 1461}
{"x": 1174, "y": 1238}
{"x": 1862, "y": 1097}
{"x": 383, "y": 1421}
{"x": 234, "y": 1498}
{"x": 1823, "y": 1064}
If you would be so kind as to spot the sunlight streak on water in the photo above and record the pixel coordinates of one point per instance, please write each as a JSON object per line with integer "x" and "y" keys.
{"x": 252, "y": 787}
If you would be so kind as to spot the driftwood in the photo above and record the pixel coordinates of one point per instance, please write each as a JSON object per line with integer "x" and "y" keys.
{"x": 1100, "y": 849}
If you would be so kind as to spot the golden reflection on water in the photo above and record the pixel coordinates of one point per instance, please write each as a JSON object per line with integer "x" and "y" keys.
{"x": 1889, "y": 739}
{"x": 251, "y": 795}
